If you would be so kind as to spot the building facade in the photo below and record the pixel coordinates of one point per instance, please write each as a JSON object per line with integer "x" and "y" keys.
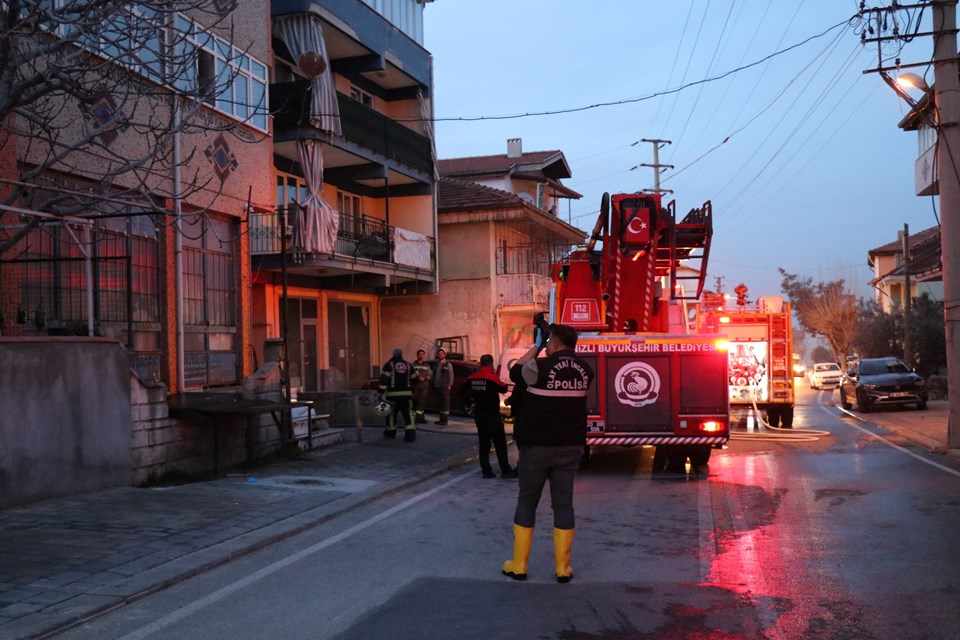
{"x": 354, "y": 217}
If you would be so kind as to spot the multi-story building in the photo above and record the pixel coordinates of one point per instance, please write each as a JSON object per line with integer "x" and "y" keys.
{"x": 890, "y": 271}
{"x": 127, "y": 193}
{"x": 354, "y": 175}
{"x": 499, "y": 235}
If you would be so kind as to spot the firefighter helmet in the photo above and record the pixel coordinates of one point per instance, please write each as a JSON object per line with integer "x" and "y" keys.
{"x": 383, "y": 408}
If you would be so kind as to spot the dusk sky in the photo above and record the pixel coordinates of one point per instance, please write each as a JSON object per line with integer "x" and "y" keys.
{"x": 814, "y": 171}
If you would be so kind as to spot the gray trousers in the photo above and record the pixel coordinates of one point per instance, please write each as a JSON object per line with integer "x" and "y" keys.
{"x": 538, "y": 465}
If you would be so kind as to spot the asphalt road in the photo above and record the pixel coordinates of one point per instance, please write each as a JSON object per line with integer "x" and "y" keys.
{"x": 844, "y": 536}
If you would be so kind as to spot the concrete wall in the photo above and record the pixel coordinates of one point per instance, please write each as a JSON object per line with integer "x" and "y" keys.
{"x": 64, "y": 417}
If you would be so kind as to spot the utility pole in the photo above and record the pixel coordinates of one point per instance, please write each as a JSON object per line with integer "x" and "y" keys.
{"x": 947, "y": 100}
{"x": 657, "y": 167}
{"x": 907, "y": 295}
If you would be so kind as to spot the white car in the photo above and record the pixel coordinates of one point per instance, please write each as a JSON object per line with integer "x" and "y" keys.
{"x": 825, "y": 375}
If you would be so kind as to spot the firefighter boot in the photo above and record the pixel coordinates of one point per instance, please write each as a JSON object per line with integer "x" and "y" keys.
{"x": 517, "y": 567}
{"x": 562, "y": 542}
{"x": 409, "y": 435}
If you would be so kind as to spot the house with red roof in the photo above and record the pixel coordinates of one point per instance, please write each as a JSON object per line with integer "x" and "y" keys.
{"x": 890, "y": 270}
{"x": 498, "y": 235}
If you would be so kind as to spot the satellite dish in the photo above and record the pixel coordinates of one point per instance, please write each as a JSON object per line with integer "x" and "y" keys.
{"x": 526, "y": 197}
{"x": 311, "y": 63}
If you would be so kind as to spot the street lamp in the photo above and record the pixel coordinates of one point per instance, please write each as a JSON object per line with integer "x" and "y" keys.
{"x": 910, "y": 80}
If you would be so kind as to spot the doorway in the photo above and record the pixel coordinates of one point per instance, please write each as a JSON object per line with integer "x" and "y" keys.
{"x": 348, "y": 324}
{"x": 302, "y": 343}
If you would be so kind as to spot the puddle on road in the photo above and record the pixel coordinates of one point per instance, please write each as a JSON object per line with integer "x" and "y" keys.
{"x": 347, "y": 485}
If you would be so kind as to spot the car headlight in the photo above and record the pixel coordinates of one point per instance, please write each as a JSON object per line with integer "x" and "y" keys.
{"x": 870, "y": 387}
{"x": 920, "y": 383}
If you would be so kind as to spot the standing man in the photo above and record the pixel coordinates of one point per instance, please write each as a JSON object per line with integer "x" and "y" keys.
{"x": 442, "y": 381}
{"x": 555, "y": 432}
{"x": 397, "y": 378}
{"x": 484, "y": 388}
{"x": 422, "y": 386}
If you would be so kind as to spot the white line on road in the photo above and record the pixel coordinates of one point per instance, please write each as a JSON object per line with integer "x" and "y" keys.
{"x": 220, "y": 594}
{"x": 889, "y": 443}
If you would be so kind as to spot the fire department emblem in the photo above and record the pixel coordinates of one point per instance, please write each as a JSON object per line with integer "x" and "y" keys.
{"x": 637, "y": 384}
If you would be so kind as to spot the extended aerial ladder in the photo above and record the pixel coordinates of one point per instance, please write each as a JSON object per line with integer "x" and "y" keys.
{"x": 619, "y": 287}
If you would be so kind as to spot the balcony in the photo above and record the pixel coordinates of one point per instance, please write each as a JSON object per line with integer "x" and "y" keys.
{"x": 524, "y": 289}
{"x": 361, "y": 125}
{"x": 359, "y": 237}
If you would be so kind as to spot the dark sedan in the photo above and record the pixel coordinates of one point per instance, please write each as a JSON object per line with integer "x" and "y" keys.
{"x": 878, "y": 382}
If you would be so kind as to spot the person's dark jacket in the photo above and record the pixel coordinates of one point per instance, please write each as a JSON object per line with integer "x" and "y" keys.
{"x": 483, "y": 389}
{"x": 515, "y": 402}
{"x": 555, "y": 406}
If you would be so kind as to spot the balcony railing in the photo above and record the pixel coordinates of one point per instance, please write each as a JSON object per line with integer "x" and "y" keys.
{"x": 360, "y": 124}
{"x": 358, "y": 236}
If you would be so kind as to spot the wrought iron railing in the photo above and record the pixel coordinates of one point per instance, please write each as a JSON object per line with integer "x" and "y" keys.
{"x": 358, "y": 236}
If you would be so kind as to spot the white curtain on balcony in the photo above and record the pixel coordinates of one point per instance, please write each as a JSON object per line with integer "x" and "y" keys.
{"x": 321, "y": 221}
{"x": 303, "y": 33}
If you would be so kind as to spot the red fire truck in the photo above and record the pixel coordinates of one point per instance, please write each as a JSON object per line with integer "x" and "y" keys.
{"x": 658, "y": 382}
{"x": 760, "y": 352}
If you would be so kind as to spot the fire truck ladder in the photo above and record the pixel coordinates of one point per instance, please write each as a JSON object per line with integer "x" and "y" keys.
{"x": 780, "y": 359}
{"x": 693, "y": 232}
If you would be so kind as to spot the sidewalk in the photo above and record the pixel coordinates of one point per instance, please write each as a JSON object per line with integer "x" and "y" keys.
{"x": 67, "y": 559}
{"x": 927, "y": 428}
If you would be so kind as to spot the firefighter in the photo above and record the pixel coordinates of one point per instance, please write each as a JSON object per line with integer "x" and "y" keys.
{"x": 422, "y": 386}
{"x": 483, "y": 389}
{"x": 397, "y": 378}
{"x": 555, "y": 432}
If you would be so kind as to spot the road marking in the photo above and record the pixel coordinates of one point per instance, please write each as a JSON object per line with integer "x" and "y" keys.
{"x": 224, "y": 592}
{"x": 884, "y": 440}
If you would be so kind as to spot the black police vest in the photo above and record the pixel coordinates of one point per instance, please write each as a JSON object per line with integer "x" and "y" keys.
{"x": 555, "y": 407}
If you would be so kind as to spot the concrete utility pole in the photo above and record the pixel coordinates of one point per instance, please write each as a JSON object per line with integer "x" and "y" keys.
{"x": 947, "y": 100}
{"x": 907, "y": 295}
{"x": 657, "y": 167}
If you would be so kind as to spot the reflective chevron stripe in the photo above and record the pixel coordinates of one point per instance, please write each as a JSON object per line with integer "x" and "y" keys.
{"x": 656, "y": 440}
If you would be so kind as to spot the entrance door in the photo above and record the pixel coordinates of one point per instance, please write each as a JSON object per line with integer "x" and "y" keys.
{"x": 302, "y": 343}
{"x": 349, "y": 334}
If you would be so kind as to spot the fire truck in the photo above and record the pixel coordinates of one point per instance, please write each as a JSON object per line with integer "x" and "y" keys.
{"x": 760, "y": 352}
{"x": 658, "y": 382}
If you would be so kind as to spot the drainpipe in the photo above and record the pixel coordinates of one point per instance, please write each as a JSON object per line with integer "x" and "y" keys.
{"x": 178, "y": 244}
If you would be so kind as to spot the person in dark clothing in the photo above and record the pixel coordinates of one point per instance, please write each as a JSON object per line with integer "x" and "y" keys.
{"x": 554, "y": 418}
{"x": 397, "y": 378}
{"x": 483, "y": 390}
{"x": 515, "y": 402}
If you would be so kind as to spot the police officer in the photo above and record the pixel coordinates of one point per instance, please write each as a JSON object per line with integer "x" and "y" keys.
{"x": 397, "y": 378}
{"x": 483, "y": 389}
{"x": 422, "y": 386}
{"x": 555, "y": 432}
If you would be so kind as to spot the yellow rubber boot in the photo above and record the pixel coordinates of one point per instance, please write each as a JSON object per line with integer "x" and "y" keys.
{"x": 522, "y": 539}
{"x": 562, "y": 542}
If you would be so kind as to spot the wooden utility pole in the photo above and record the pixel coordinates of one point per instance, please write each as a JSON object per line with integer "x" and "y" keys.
{"x": 947, "y": 100}
{"x": 907, "y": 295}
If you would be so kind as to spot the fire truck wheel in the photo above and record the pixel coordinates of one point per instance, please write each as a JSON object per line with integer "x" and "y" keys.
{"x": 773, "y": 416}
{"x": 786, "y": 417}
{"x": 660, "y": 458}
{"x": 700, "y": 455}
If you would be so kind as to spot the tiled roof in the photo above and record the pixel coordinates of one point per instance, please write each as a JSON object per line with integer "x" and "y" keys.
{"x": 491, "y": 164}
{"x": 915, "y": 239}
{"x": 458, "y": 195}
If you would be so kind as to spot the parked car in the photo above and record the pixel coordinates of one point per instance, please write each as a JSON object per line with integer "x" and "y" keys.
{"x": 876, "y": 382}
{"x": 825, "y": 375}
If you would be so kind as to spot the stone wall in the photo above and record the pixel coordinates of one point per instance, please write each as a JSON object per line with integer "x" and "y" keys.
{"x": 65, "y": 418}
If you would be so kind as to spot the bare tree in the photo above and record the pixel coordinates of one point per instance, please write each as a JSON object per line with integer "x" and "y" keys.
{"x": 826, "y": 309}
{"x": 94, "y": 92}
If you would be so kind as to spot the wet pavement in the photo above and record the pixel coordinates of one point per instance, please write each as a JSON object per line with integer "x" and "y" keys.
{"x": 69, "y": 559}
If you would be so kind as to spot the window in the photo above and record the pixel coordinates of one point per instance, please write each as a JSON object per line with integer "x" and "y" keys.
{"x": 290, "y": 187}
{"x": 361, "y": 96}
{"x": 229, "y": 79}
{"x": 351, "y": 216}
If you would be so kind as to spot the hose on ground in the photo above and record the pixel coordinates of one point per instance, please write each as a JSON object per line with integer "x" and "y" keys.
{"x": 776, "y": 433}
